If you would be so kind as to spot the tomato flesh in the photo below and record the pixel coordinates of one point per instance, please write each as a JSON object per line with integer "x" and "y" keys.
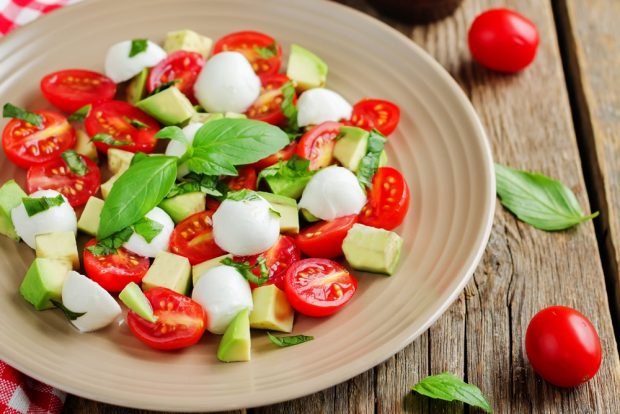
{"x": 317, "y": 145}
{"x": 376, "y": 114}
{"x": 268, "y": 106}
{"x": 245, "y": 180}
{"x": 318, "y": 287}
{"x": 71, "y": 89}
{"x": 193, "y": 238}
{"x": 388, "y": 200}
{"x": 284, "y": 154}
{"x": 248, "y": 43}
{"x": 325, "y": 239}
{"x": 181, "y": 322}
{"x": 182, "y": 66}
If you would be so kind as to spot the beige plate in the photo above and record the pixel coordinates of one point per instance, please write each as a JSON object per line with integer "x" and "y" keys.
{"x": 440, "y": 147}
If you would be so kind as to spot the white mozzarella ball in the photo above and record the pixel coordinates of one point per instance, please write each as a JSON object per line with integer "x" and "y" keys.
{"x": 178, "y": 149}
{"x": 245, "y": 227}
{"x": 54, "y": 219}
{"x": 120, "y": 67}
{"x": 320, "y": 105}
{"x": 82, "y": 295}
{"x": 333, "y": 192}
{"x": 227, "y": 83}
{"x": 223, "y": 293}
{"x": 138, "y": 245}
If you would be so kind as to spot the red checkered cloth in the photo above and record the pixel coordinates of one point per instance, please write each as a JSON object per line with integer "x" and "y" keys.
{"x": 15, "y": 13}
{"x": 20, "y": 394}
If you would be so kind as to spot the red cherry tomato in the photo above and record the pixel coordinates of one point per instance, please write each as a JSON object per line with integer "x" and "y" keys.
{"x": 245, "y": 180}
{"x": 317, "y": 145}
{"x": 388, "y": 200}
{"x": 268, "y": 106}
{"x": 263, "y": 52}
{"x": 193, "y": 238}
{"x": 318, "y": 287}
{"x": 563, "y": 346}
{"x": 376, "y": 114}
{"x": 182, "y": 66}
{"x": 115, "y": 271}
{"x": 325, "y": 239}
{"x": 284, "y": 154}
{"x": 25, "y": 144}
{"x": 181, "y": 322}
{"x": 503, "y": 40}
{"x": 115, "y": 118}
{"x": 56, "y": 175}
{"x": 71, "y": 89}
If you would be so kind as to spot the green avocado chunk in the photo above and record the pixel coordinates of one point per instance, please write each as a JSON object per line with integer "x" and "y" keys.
{"x": 59, "y": 245}
{"x": 170, "y": 106}
{"x": 133, "y": 297}
{"x": 308, "y": 216}
{"x": 203, "y": 118}
{"x": 89, "y": 220}
{"x": 236, "y": 342}
{"x": 287, "y": 207}
{"x": 306, "y": 69}
{"x": 182, "y": 206}
{"x": 351, "y": 147}
{"x": 287, "y": 187}
{"x": 137, "y": 86}
{"x": 187, "y": 40}
{"x": 170, "y": 271}
{"x": 11, "y": 195}
{"x": 371, "y": 249}
{"x": 271, "y": 310}
{"x": 43, "y": 282}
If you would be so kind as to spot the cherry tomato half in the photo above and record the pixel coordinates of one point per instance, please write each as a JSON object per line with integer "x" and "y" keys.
{"x": 263, "y": 52}
{"x": 268, "y": 106}
{"x": 25, "y": 144}
{"x": 376, "y": 114}
{"x": 71, "y": 89}
{"x": 181, "y": 322}
{"x": 284, "y": 154}
{"x": 503, "y": 40}
{"x": 115, "y": 271}
{"x": 182, "y": 66}
{"x": 388, "y": 200}
{"x": 56, "y": 175}
{"x": 245, "y": 180}
{"x": 325, "y": 239}
{"x": 563, "y": 346}
{"x": 193, "y": 238}
{"x": 317, "y": 145}
{"x": 118, "y": 119}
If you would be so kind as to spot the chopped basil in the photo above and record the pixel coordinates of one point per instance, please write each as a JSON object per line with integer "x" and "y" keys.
{"x": 449, "y": 387}
{"x": 80, "y": 114}
{"x": 245, "y": 268}
{"x": 109, "y": 140}
{"x": 370, "y": 163}
{"x": 293, "y": 169}
{"x": 286, "y": 341}
{"x": 243, "y": 195}
{"x": 75, "y": 162}
{"x": 148, "y": 229}
{"x": 11, "y": 111}
{"x": 111, "y": 244}
{"x": 289, "y": 109}
{"x": 138, "y": 46}
{"x": 164, "y": 86}
{"x": 68, "y": 313}
{"x": 136, "y": 123}
{"x": 197, "y": 183}
{"x": 267, "y": 52}
{"x": 36, "y": 205}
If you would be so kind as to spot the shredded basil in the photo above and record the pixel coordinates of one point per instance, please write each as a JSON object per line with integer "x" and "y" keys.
{"x": 68, "y": 313}
{"x": 36, "y": 205}
{"x": 370, "y": 163}
{"x": 267, "y": 52}
{"x": 75, "y": 162}
{"x": 162, "y": 87}
{"x": 138, "y": 46}
{"x": 11, "y": 111}
{"x": 109, "y": 140}
{"x": 80, "y": 114}
{"x": 194, "y": 183}
{"x": 148, "y": 229}
{"x": 245, "y": 268}
{"x": 111, "y": 244}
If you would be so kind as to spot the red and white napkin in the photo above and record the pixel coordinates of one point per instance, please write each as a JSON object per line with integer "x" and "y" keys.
{"x": 15, "y": 13}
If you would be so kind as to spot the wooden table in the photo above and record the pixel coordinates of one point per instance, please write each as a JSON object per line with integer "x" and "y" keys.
{"x": 561, "y": 117}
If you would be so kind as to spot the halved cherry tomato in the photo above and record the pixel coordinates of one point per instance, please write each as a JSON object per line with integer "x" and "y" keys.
{"x": 182, "y": 66}
{"x": 25, "y": 144}
{"x": 263, "y": 52}
{"x": 268, "y": 106}
{"x": 317, "y": 145}
{"x": 324, "y": 239}
{"x": 181, "y": 322}
{"x": 284, "y": 154}
{"x": 115, "y": 118}
{"x": 193, "y": 238}
{"x": 278, "y": 259}
{"x": 71, "y": 89}
{"x": 115, "y": 271}
{"x": 388, "y": 200}
{"x": 56, "y": 175}
{"x": 376, "y": 114}
{"x": 318, "y": 287}
{"x": 245, "y": 180}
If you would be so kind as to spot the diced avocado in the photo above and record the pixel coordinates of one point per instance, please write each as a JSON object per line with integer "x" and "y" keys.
{"x": 306, "y": 69}
{"x": 107, "y": 186}
{"x": 383, "y": 159}
{"x": 44, "y": 281}
{"x": 199, "y": 269}
{"x": 137, "y": 86}
{"x": 371, "y": 249}
{"x": 271, "y": 310}
{"x": 60, "y": 246}
{"x": 236, "y": 343}
{"x": 187, "y": 40}
{"x": 184, "y": 205}
{"x": 234, "y": 115}
{"x": 170, "y": 106}
{"x": 170, "y": 271}
{"x": 119, "y": 160}
{"x": 308, "y": 216}
{"x": 11, "y": 195}
{"x": 351, "y": 147}
{"x": 84, "y": 146}
{"x": 133, "y": 297}
{"x": 287, "y": 207}
{"x": 287, "y": 187}
{"x": 203, "y": 118}
{"x": 89, "y": 220}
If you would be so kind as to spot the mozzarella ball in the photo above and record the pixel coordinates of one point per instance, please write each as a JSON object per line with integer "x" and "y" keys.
{"x": 245, "y": 227}
{"x": 223, "y": 293}
{"x": 178, "y": 149}
{"x": 54, "y": 219}
{"x": 120, "y": 67}
{"x": 333, "y": 192}
{"x": 82, "y": 295}
{"x": 138, "y": 245}
{"x": 319, "y": 105}
{"x": 227, "y": 83}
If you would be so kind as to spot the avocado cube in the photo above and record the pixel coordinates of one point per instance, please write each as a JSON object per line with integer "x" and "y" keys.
{"x": 287, "y": 187}
{"x": 235, "y": 345}
{"x": 89, "y": 220}
{"x": 107, "y": 186}
{"x": 308, "y": 216}
{"x": 43, "y": 282}
{"x": 119, "y": 160}
{"x": 383, "y": 159}
{"x": 271, "y": 310}
{"x": 187, "y": 40}
{"x": 11, "y": 195}
{"x": 60, "y": 246}
{"x": 351, "y": 147}
{"x": 170, "y": 106}
{"x": 182, "y": 206}
{"x": 84, "y": 146}
{"x": 287, "y": 207}
{"x": 203, "y": 118}
{"x": 199, "y": 269}
{"x": 371, "y": 249}
{"x": 133, "y": 297}
{"x": 136, "y": 87}
{"x": 170, "y": 271}
{"x": 306, "y": 69}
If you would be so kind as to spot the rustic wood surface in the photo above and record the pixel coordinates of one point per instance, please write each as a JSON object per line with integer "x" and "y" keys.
{"x": 529, "y": 122}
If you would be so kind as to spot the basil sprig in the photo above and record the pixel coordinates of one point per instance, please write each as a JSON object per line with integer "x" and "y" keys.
{"x": 545, "y": 203}
{"x": 448, "y": 387}
{"x": 75, "y": 163}
{"x": 286, "y": 341}
{"x": 245, "y": 268}
{"x": 370, "y": 163}
{"x": 36, "y": 205}
{"x": 138, "y": 46}
{"x": 109, "y": 140}
{"x": 68, "y": 313}
{"x": 173, "y": 133}
{"x": 11, "y": 111}
{"x": 80, "y": 114}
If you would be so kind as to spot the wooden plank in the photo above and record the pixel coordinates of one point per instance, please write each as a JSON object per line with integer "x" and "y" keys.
{"x": 84, "y": 406}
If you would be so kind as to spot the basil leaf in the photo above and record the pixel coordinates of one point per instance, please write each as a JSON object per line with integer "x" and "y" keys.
{"x": 267, "y": 52}
{"x": 243, "y": 195}
{"x": 138, "y": 157}
{"x": 370, "y": 163}
{"x": 173, "y": 133}
{"x": 80, "y": 114}
{"x": 136, "y": 123}
{"x": 109, "y": 140}
{"x": 68, "y": 313}
{"x": 293, "y": 169}
{"x": 75, "y": 162}
{"x": 143, "y": 186}
{"x": 164, "y": 86}
{"x": 11, "y": 111}
{"x": 36, "y": 205}
{"x": 148, "y": 229}
{"x": 286, "y": 341}
{"x": 289, "y": 109}
{"x": 195, "y": 183}
{"x": 111, "y": 244}
{"x": 138, "y": 46}
{"x": 245, "y": 268}
{"x": 545, "y": 203}
{"x": 449, "y": 387}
